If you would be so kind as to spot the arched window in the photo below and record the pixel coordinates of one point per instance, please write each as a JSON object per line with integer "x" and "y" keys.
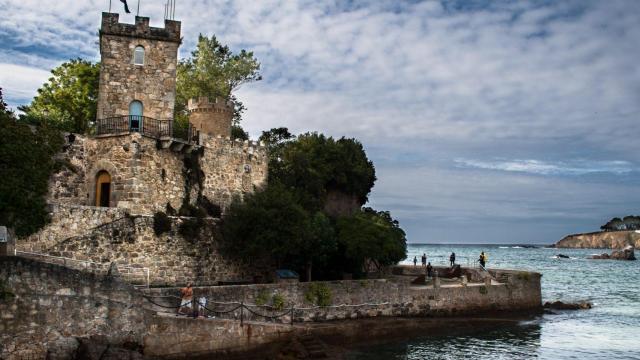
{"x": 138, "y": 55}
{"x": 135, "y": 115}
{"x": 103, "y": 188}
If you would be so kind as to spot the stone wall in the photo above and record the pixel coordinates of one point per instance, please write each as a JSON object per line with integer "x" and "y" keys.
{"x": 518, "y": 291}
{"x": 51, "y": 306}
{"x": 601, "y": 240}
{"x": 130, "y": 241}
{"x": 145, "y": 177}
{"x": 211, "y": 117}
{"x": 121, "y": 81}
{"x": 232, "y": 168}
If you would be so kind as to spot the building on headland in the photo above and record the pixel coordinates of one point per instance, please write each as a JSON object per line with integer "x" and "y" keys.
{"x": 139, "y": 162}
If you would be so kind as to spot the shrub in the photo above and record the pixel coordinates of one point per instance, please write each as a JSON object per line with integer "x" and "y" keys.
{"x": 319, "y": 294}
{"x": 277, "y": 301}
{"x": 483, "y": 290}
{"x": 262, "y": 297}
{"x": 161, "y": 223}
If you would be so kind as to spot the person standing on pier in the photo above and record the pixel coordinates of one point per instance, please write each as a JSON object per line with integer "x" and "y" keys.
{"x": 483, "y": 259}
{"x": 424, "y": 259}
{"x": 429, "y": 269}
{"x": 415, "y": 261}
{"x": 452, "y": 259}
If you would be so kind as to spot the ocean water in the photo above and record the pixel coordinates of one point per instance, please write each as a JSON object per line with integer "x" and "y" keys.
{"x": 610, "y": 330}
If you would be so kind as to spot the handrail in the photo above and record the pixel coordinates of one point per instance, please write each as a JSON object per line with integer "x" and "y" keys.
{"x": 150, "y": 127}
{"x": 90, "y": 265}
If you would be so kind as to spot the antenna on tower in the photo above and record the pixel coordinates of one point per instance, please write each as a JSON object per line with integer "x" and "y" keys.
{"x": 170, "y": 10}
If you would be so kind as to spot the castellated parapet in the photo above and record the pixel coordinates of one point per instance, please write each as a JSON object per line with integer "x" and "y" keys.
{"x": 211, "y": 116}
{"x": 149, "y": 79}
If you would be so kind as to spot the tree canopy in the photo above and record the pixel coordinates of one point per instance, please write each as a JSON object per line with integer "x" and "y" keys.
{"x": 213, "y": 70}
{"x": 627, "y": 223}
{"x": 68, "y": 100}
{"x": 26, "y": 162}
{"x": 315, "y": 164}
{"x": 286, "y": 222}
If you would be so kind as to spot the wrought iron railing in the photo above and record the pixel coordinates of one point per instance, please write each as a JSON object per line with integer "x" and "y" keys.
{"x": 153, "y": 128}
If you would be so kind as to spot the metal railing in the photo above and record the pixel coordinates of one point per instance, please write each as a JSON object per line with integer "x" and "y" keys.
{"x": 132, "y": 274}
{"x": 150, "y": 127}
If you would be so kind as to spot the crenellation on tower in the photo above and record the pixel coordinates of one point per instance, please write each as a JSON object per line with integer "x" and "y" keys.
{"x": 211, "y": 116}
{"x": 141, "y": 29}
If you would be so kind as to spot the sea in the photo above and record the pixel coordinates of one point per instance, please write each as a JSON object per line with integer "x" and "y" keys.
{"x": 610, "y": 330}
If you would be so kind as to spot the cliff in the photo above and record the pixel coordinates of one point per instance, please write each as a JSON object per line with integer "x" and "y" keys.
{"x": 601, "y": 240}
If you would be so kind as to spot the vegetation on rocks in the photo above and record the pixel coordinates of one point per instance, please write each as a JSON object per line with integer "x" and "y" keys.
{"x": 627, "y": 223}
{"x": 319, "y": 294}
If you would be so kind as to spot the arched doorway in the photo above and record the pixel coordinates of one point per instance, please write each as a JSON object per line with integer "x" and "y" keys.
{"x": 135, "y": 115}
{"x": 103, "y": 189}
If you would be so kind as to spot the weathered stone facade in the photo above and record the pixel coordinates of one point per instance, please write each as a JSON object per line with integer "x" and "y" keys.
{"x": 105, "y": 235}
{"x": 516, "y": 291}
{"x": 145, "y": 177}
{"x": 121, "y": 81}
{"x": 211, "y": 117}
{"x": 50, "y": 307}
{"x": 51, "y": 310}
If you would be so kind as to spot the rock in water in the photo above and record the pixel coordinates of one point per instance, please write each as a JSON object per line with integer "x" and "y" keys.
{"x": 563, "y": 256}
{"x": 559, "y": 305}
{"x": 625, "y": 254}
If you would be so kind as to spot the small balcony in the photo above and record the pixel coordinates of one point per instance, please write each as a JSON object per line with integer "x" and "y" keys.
{"x": 162, "y": 130}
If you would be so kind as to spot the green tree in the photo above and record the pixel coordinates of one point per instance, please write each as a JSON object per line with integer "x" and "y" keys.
{"x": 26, "y": 162}
{"x": 371, "y": 236}
{"x": 315, "y": 164}
{"x": 272, "y": 225}
{"x": 68, "y": 100}
{"x": 213, "y": 70}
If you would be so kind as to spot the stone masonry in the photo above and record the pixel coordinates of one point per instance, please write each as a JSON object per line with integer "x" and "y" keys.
{"x": 122, "y": 81}
{"x": 145, "y": 178}
{"x": 211, "y": 117}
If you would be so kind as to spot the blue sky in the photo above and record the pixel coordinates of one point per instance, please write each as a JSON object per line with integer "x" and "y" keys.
{"x": 488, "y": 121}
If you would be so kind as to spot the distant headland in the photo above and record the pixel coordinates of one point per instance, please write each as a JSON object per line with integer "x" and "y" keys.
{"x": 616, "y": 234}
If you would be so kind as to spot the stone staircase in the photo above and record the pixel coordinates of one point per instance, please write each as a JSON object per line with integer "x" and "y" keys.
{"x": 314, "y": 348}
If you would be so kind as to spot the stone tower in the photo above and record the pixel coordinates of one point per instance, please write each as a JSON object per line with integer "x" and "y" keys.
{"x": 211, "y": 117}
{"x": 138, "y": 68}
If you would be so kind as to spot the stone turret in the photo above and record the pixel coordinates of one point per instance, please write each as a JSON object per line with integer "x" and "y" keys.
{"x": 212, "y": 117}
{"x": 137, "y": 68}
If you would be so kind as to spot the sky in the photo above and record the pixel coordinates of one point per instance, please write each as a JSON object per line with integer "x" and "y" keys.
{"x": 487, "y": 121}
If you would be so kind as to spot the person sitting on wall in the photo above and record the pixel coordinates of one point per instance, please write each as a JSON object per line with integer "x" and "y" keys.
{"x": 429, "y": 269}
{"x": 186, "y": 305}
{"x": 452, "y": 259}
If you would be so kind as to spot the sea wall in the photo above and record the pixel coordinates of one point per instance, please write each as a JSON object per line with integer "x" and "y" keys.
{"x": 45, "y": 308}
{"x": 517, "y": 291}
{"x": 130, "y": 241}
{"x": 601, "y": 240}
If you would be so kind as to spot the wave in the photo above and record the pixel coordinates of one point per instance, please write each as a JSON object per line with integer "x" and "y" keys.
{"x": 503, "y": 247}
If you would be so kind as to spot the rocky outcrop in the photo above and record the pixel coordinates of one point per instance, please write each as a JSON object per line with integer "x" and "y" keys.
{"x": 601, "y": 240}
{"x": 625, "y": 254}
{"x": 559, "y": 305}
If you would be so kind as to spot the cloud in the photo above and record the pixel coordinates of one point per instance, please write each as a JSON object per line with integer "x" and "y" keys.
{"x": 21, "y": 82}
{"x": 509, "y": 93}
{"x": 580, "y": 167}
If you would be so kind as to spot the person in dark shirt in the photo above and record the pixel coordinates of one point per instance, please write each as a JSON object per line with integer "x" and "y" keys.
{"x": 415, "y": 261}
{"x": 429, "y": 269}
{"x": 452, "y": 259}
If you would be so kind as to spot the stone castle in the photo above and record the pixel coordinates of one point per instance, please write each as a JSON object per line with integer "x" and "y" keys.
{"x": 138, "y": 163}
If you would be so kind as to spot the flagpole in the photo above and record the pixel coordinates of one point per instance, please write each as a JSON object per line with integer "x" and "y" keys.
{"x": 138, "y": 12}
{"x": 109, "y": 5}
{"x": 174, "y": 9}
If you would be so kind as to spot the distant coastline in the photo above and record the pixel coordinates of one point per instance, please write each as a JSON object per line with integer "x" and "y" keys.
{"x": 601, "y": 240}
